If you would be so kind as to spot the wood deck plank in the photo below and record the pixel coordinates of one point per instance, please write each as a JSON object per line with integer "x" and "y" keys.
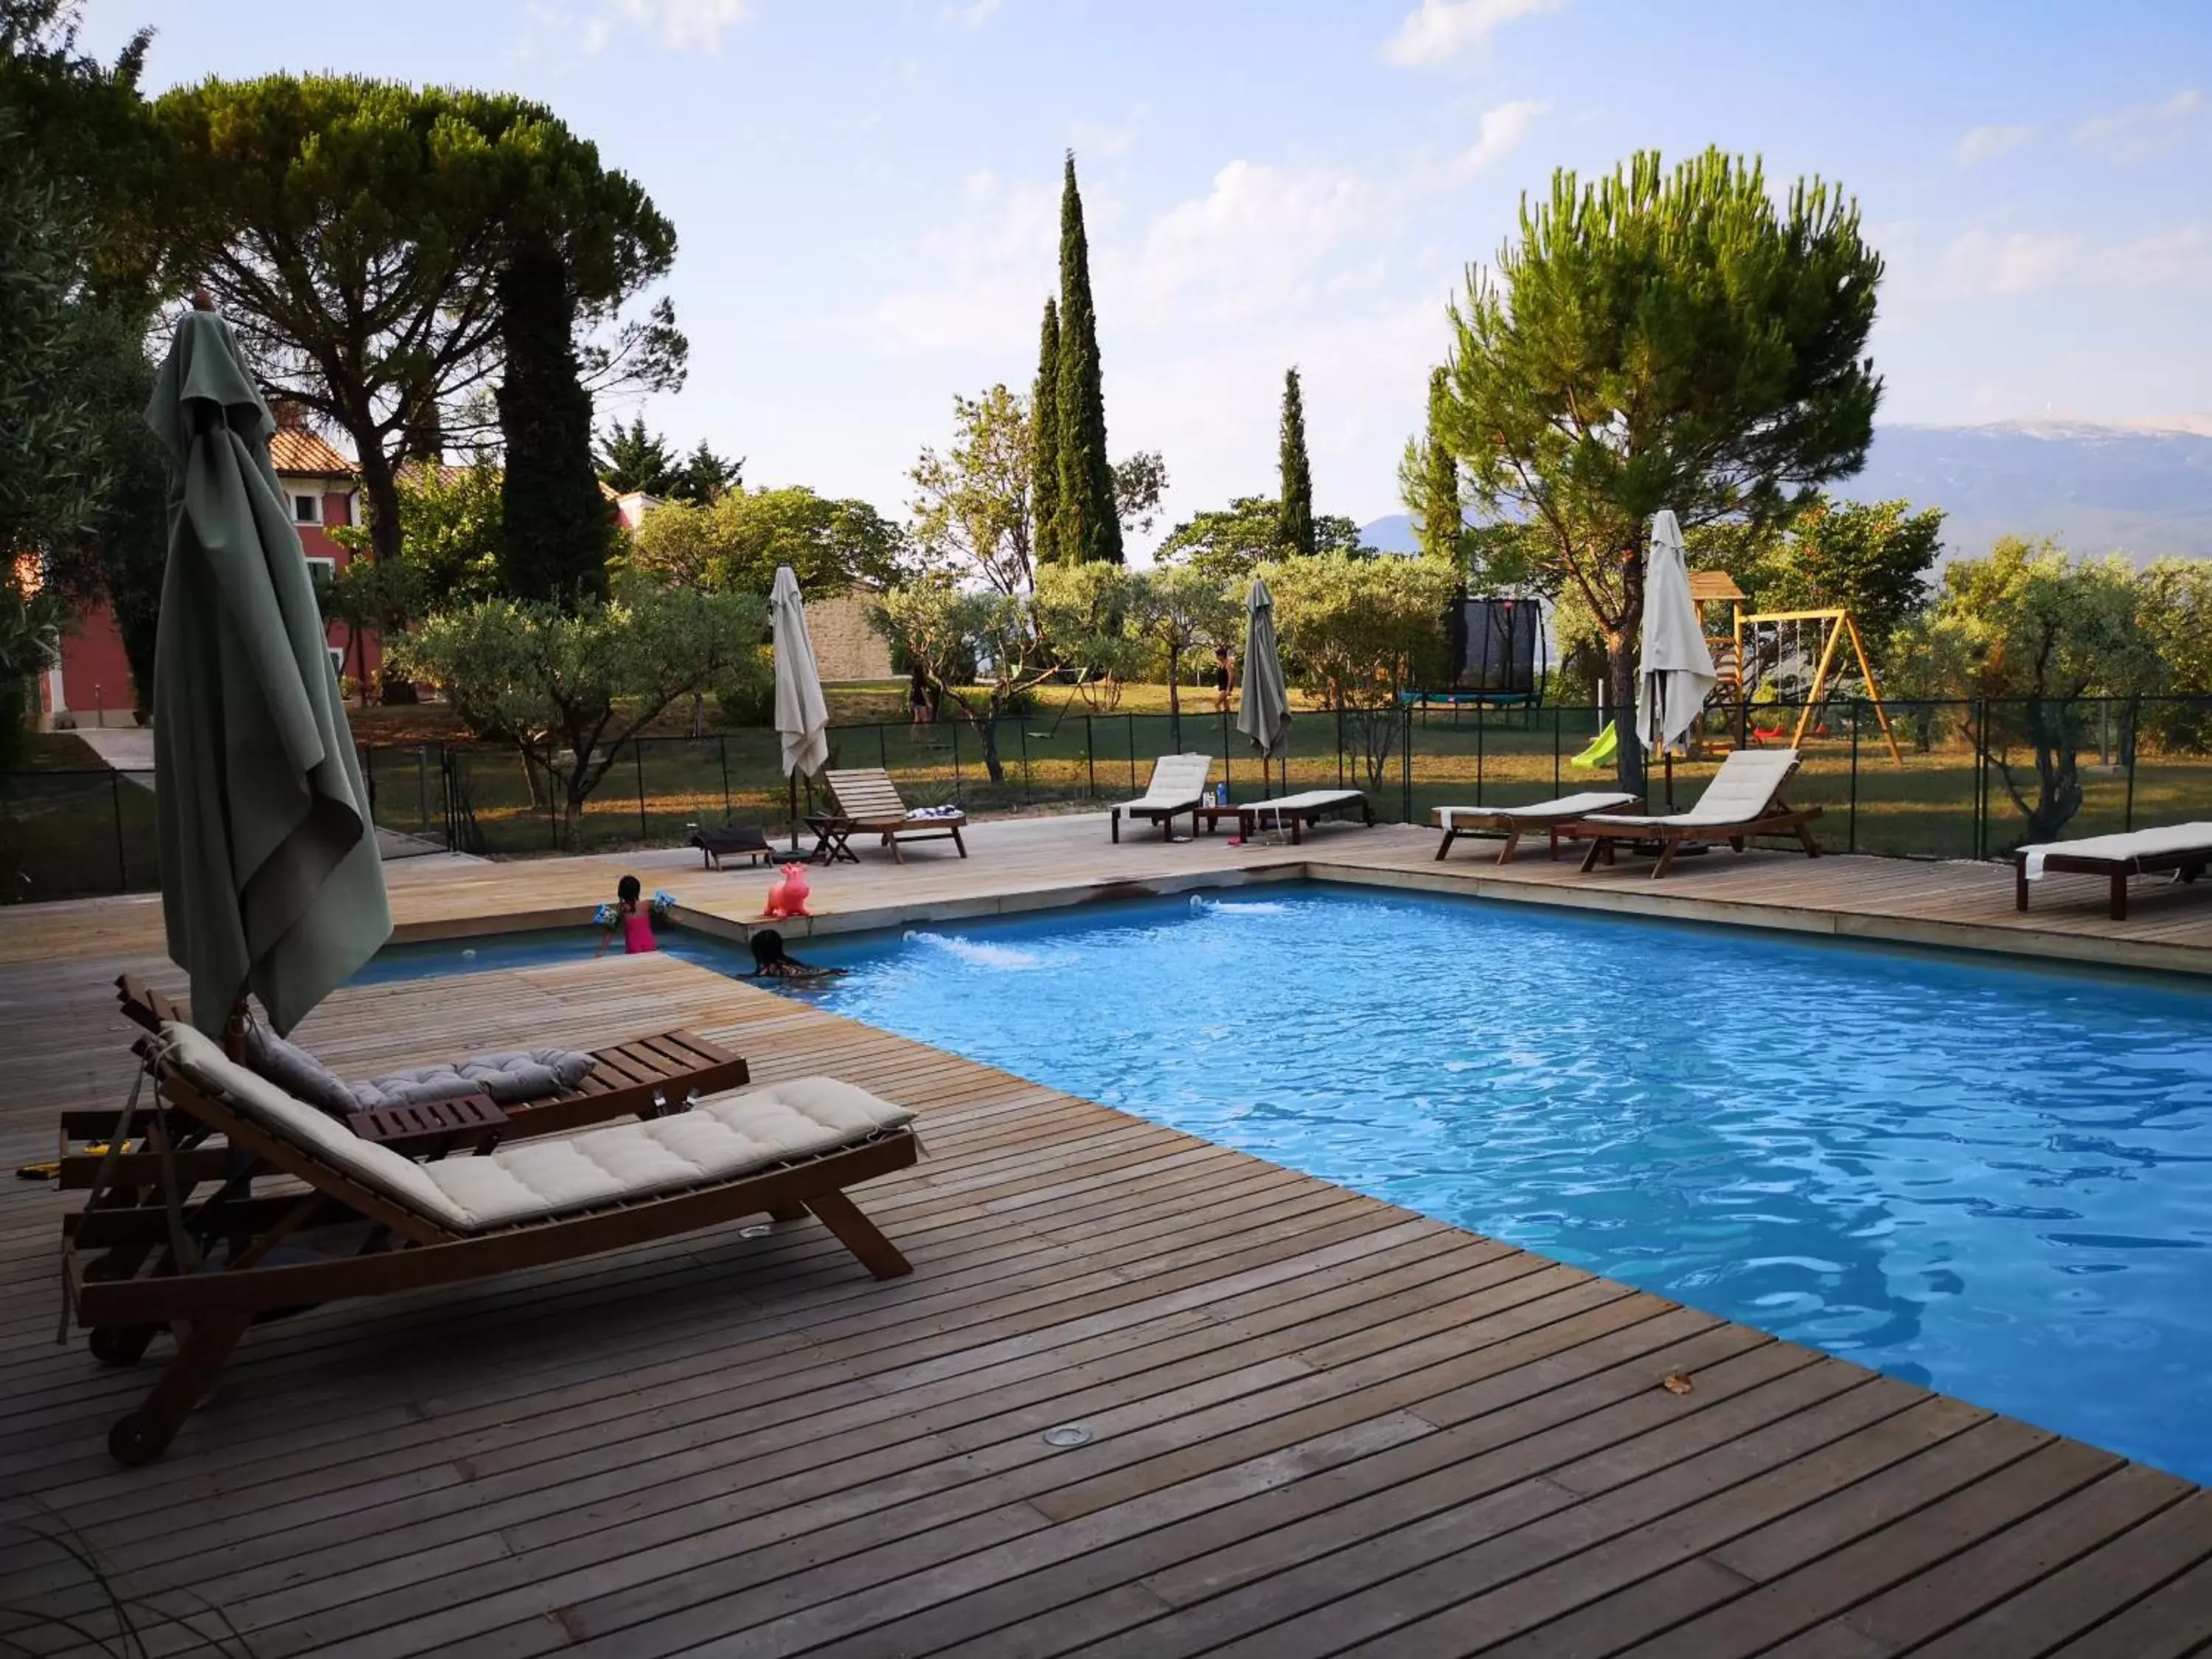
{"x": 1319, "y": 1421}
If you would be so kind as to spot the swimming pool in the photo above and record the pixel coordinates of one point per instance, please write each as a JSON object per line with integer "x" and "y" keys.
{"x": 1988, "y": 1179}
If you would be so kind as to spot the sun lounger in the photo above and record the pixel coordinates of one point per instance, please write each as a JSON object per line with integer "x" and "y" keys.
{"x": 635, "y": 1078}
{"x": 2183, "y": 849}
{"x": 1743, "y": 799}
{"x": 868, "y": 804}
{"x": 1514, "y": 822}
{"x": 1177, "y": 785}
{"x": 1294, "y": 813}
{"x": 734, "y": 840}
{"x": 372, "y": 1223}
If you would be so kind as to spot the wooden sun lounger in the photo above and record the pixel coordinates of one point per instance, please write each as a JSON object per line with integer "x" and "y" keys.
{"x": 1515, "y": 822}
{"x": 868, "y": 804}
{"x": 627, "y": 1079}
{"x": 1297, "y": 813}
{"x": 1177, "y": 785}
{"x": 384, "y": 1225}
{"x": 735, "y": 841}
{"x": 1743, "y": 799}
{"x": 2182, "y": 849}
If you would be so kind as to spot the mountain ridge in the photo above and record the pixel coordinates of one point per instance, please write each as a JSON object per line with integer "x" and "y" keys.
{"x": 2143, "y": 490}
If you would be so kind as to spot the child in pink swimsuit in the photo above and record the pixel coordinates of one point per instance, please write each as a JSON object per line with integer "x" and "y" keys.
{"x": 635, "y": 924}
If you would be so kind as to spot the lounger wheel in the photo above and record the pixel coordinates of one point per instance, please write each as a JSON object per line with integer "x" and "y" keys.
{"x": 121, "y": 1345}
{"x": 138, "y": 1438}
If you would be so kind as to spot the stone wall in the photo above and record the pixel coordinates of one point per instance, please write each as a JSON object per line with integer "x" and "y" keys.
{"x": 844, "y": 646}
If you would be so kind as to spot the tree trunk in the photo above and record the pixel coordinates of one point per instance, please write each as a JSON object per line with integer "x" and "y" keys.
{"x": 572, "y": 821}
{"x": 1628, "y": 752}
{"x": 987, "y": 730}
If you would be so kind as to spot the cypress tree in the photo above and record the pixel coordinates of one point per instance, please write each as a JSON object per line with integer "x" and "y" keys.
{"x": 1086, "y": 526}
{"x": 1441, "y": 518}
{"x": 1294, "y": 520}
{"x": 556, "y": 533}
{"x": 1044, "y": 442}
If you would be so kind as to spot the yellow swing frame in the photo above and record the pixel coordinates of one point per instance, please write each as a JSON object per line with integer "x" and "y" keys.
{"x": 1837, "y": 624}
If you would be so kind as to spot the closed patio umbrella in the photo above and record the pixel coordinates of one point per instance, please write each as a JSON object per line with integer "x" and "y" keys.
{"x": 802, "y": 718}
{"x": 270, "y": 878}
{"x": 1674, "y": 674}
{"x": 1263, "y": 714}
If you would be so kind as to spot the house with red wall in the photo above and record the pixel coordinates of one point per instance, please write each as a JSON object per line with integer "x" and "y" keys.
{"x": 90, "y": 685}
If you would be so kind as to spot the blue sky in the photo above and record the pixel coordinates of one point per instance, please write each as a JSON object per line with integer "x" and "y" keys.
{"x": 866, "y": 192}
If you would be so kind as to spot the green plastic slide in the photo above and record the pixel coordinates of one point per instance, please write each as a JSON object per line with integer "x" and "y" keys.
{"x": 1600, "y": 752}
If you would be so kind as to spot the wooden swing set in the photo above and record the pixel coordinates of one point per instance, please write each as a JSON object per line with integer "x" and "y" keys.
{"x": 1835, "y": 626}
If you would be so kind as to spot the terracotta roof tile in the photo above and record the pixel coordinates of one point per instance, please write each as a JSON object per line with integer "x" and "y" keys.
{"x": 291, "y": 450}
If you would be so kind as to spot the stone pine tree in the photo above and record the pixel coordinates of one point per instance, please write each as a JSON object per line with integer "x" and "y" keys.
{"x": 1044, "y": 443}
{"x": 556, "y": 532}
{"x": 1294, "y": 519}
{"x": 1428, "y": 479}
{"x": 1683, "y": 339}
{"x": 1085, "y": 526}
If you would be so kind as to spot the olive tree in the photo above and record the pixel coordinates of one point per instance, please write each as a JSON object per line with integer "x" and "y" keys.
{"x": 1091, "y": 617}
{"x": 940, "y": 631}
{"x": 2038, "y": 636}
{"x": 567, "y": 688}
{"x": 1660, "y": 339}
{"x": 1356, "y": 633}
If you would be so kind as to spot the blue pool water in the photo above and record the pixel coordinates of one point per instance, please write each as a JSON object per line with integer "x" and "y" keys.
{"x": 1988, "y": 1179}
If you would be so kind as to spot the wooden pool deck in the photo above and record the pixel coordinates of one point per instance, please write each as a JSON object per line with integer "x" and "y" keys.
{"x": 1319, "y": 1425}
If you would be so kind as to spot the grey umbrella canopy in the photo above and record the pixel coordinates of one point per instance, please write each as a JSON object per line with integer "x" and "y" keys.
{"x": 802, "y": 718}
{"x": 270, "y": 880}
{"x": 1263, "y": 714}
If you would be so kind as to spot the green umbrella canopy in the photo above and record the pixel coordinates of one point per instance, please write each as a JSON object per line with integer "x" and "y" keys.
{"x": 271, "y": 879}
{"x": 1264, "y": 715}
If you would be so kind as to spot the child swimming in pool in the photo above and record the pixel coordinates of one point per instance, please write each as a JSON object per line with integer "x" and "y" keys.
{"x": 771, "y": 961}
{"x": 631, "y": 920}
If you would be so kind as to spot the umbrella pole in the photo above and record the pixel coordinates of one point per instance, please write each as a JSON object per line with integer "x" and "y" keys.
{"x": 793, "y": 781}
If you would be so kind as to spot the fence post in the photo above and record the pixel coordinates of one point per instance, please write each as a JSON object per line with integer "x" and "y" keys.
{"x": 2130, "y": 737}
{"x": 1228, "y": 764}
{"x": 722, "y": 743}
{"x": 1089, "y": 762}
{"x": 1981, "y": 718}
{"x": 1129, "y": 727}
{"x": 422, "y": 785}
{"x": 956, "y": 758}
{"x": 1851, "y": 833}
{"x": 1556, "y": 713}
{"x": 368, "y": 777}
{"x": 1340, "y": 745}
{"x": 637, "y": 754}
{"x": 1406, "y": 765}
{"x": 1479, "y": 723}
{"x": 883, "y": 747}
{"x": 1022, "y": 726}
{"x": 115, "y": 809}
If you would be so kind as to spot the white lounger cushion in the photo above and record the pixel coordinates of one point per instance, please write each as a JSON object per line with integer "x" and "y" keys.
{"x": 1566, "y": 806}
{"x": 1312, "y": 800}
{"x": 723, "y": 1136}
{"x": 1740, "y": 790}
{"x": 1177, "y": 781}
{"x": 2135, "y": 844}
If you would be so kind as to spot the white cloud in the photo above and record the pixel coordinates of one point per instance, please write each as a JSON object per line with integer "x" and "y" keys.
{"x": 2163, "y": 258}
{"x": 1105, "y": 138}
{"x": 1257, "y": 240}
{"x": 680, "y": 25}
{"x": 1503, "y": 129}
{"x": 1982, "y": 262}
{"x": 972, "y": 15}
{"x": 1442, "y": 29}
{"x": 2128, "y": 135}
{"x": 989, "y": 272}
{"x": 1988, "y": 142}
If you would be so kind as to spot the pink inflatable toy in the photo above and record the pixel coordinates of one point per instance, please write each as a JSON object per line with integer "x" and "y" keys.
{"x": 788, "y": 897}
